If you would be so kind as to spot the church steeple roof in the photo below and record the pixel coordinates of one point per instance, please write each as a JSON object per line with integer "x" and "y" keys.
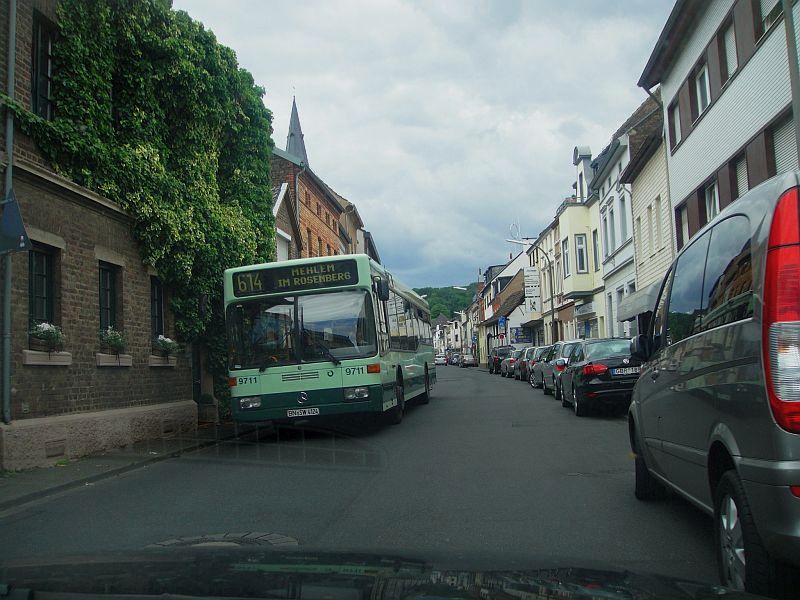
{"x": 294, "y": 141}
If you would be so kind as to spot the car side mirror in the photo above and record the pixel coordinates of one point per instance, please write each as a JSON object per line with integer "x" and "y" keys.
{"x": 641, "y": 347}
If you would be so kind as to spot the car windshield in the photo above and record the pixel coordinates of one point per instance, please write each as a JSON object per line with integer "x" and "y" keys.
{"x": 295, "y": 329}
{"x": 608, "y": 348}
{"x": 516, "y": 354}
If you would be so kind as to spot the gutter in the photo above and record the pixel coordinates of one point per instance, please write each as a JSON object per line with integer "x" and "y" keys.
{"x": 11, "y": 60}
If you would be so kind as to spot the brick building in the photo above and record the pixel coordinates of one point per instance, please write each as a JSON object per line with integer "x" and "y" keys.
{"x": 316, "y": 205}
{"x": 83, "y": 273}
{"x": 288, "y": 238}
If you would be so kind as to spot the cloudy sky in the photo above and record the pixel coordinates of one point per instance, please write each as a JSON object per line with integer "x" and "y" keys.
{"x": 445, "y": 121}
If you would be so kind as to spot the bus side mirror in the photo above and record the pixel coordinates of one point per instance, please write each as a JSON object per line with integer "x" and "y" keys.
{"x": 383, "y": 290}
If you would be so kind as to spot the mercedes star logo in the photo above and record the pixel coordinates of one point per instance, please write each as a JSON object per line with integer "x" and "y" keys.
{"x": 303, "y": 397}
{"x": 625, "y": 361}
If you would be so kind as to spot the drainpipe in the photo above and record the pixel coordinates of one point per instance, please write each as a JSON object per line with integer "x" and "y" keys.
{"x": 10, "y": 78}
{"x": 794, "y": 70}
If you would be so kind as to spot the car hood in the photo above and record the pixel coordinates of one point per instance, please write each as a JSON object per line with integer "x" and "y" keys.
{"x": 225, "y": 572}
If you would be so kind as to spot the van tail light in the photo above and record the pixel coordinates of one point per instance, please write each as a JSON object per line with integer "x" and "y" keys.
{"x": 560, "y": 368}
{"x": 592, "y": 370}
{"x": 781, "y": 315}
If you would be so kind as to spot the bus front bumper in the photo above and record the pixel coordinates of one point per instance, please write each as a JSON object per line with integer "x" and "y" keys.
{"x": 315, "y": 403}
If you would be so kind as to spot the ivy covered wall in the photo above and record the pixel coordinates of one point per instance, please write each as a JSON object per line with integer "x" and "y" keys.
{"x": 152, "y": 112}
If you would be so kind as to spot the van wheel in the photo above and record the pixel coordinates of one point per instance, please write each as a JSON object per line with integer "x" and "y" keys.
{"x": 426, "y": 395}
{"x": 646, "y": 487}
{"x": 396, "y": 414}
{"x": 743, "y": 562}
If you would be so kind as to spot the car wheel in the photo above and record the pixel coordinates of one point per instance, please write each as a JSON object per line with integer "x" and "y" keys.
{"x": 580, "y": 408}
{"x": 546, "y": 391}
{"x": 563, "y": 397}
{"x": 531, "y": 380}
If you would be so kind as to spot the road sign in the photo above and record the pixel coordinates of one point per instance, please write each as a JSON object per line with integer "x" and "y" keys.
{"x": 502, "y": 322}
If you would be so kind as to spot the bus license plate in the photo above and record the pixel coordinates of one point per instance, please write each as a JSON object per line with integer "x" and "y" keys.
{"x": 302, "y": 412}
{"x": 626, "y": 371}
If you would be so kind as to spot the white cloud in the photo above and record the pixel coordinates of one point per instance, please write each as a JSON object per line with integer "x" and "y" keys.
{"x": 446, "y": 121}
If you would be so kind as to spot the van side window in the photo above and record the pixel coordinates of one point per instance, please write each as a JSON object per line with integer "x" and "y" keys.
{"x": 686, "y": 294}
{"x": 728, "y": 283}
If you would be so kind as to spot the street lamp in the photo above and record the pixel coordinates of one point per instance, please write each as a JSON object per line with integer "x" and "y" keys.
{"x": 550, "y": 270}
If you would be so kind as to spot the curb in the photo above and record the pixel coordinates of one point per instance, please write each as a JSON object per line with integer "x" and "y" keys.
{"x": 22, "y": 500}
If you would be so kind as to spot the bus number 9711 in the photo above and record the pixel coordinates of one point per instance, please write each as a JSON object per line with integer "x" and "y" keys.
{"x": 355, "y": 370}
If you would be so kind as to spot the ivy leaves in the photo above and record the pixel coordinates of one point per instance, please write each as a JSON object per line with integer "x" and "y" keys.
{"x": 153, "y": 113}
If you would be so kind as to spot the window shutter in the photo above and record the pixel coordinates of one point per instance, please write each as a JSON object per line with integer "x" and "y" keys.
{"x": 742, "y": 185}
{"x": 730, "y": 50}
{"x": 785, "y": 147}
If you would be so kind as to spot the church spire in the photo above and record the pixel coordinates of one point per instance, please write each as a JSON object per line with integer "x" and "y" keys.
{"x": 294, "y": 141}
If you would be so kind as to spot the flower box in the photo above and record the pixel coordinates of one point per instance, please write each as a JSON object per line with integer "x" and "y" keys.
{"x": 46, "y": 359}
{"x": 113, "y": 360}
{"x": 162, "y": 361}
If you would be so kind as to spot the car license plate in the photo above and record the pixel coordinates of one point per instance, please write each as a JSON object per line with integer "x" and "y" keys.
{"x": 302, "y": 412}
{"x": 626, "y": 371}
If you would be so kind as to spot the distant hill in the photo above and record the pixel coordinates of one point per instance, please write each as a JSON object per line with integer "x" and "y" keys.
{"x": 446, "y": 300}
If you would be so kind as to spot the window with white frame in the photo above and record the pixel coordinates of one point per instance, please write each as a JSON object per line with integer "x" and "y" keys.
{"x": 742, "y": 182}
{"x": 729, "y": 43}
{"x": 712, "y": 201}
{"x": 702, "y": 90}
{"x": 605, "y": 235}
{"x": 596, "y": 249}
{"x": 581, "y": 258}
{"x": 612, "y": 231}
{"x": 770, "y": 11}
{"x": 565, "y": 256}
{"x": 657, "y": 211}
{"x": 675, "y": 124}
{"x": 650, "y": 247}
{"x": 637, "y": 232}
{"x": 623, "y": 219}
{"x": 684, "y": 224}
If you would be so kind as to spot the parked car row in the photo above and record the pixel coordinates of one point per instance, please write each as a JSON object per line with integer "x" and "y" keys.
{"x": 459, "y": 359}
{"x": 712, "y": 386}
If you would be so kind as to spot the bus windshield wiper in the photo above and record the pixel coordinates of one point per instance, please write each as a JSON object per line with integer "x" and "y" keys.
{"x": 327, "y": 351}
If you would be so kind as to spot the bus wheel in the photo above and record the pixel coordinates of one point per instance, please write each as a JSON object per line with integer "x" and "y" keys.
{"x": 396, "y": 414}
{"x": 426, "y": 396}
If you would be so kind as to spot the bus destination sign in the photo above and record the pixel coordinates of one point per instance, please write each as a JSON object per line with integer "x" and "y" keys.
{"x": 294, "y": 279}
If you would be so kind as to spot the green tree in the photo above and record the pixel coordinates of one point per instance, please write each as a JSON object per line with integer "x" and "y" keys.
{"x": 153, "y": 113}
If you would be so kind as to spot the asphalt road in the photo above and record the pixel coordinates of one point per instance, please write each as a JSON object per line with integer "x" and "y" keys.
{"x": 489, "y": 468}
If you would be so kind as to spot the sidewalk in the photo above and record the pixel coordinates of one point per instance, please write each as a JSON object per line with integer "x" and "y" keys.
{"x": 18, "y": 488}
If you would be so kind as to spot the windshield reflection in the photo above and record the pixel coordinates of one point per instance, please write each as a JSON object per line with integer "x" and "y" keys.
{"x": 318, "y": 327}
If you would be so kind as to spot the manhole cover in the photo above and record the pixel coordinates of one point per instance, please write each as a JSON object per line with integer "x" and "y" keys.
{"x": 229, "y": 540}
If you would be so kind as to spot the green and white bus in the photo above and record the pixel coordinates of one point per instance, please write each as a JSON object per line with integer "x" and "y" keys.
{"x": 325, "y": 336}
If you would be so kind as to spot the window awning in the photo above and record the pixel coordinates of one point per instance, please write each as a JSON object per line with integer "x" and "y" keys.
{"x": 638, "y": 303}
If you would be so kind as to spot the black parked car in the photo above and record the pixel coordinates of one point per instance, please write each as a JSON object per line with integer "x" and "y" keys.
{"x": 599, "y": 372}
{"x": 496, "y": 356}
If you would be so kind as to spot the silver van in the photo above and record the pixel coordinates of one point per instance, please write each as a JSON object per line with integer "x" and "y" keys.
{"x": 715, "y": 414}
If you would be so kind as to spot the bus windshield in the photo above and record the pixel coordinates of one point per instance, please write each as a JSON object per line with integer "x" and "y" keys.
{"x": 267, "y": 332}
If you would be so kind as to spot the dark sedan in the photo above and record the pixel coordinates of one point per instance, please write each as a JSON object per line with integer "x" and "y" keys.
{"x": 599, "y": 373}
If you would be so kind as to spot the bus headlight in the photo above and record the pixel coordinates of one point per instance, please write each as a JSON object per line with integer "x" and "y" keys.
{"x": 356, "y": 393}
{"x": 250, "y": 402}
